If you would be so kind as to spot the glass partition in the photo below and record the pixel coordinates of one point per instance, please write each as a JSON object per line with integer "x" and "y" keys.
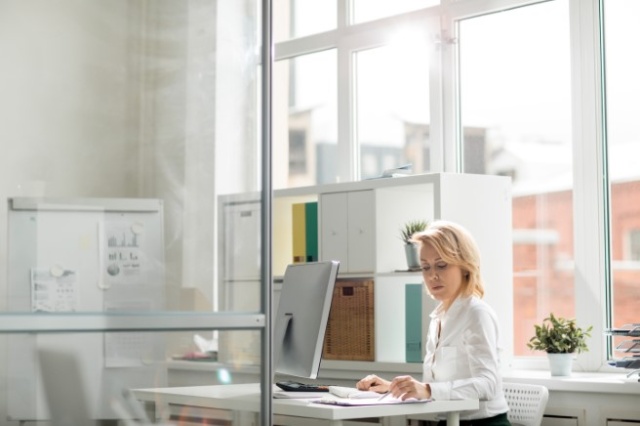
{"x": 124, "y": 122}
{"x": 133, "y": 366}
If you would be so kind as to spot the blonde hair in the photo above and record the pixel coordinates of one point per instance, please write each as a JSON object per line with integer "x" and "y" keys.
{"x": 456, "y": 246}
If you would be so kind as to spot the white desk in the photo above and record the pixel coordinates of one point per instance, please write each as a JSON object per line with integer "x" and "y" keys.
{"x": 240, "y": 405}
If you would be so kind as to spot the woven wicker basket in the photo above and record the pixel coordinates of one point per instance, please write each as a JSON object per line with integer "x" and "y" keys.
{"x": 350, "y": 329}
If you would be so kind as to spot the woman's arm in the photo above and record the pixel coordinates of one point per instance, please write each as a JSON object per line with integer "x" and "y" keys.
{"x": 405, "y": 387}
{"x": 373, "y": 383}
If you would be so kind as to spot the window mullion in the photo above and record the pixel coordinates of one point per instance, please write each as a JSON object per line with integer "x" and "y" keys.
{"x": 447, "y": 153}
{"x": 344, "y": 12}
{"x": 347, "y": 151}
{"x": 590, "y": 213}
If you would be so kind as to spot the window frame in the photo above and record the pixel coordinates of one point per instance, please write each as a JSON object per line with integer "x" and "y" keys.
{"x": 592, "y": 283}
{"x": 592, "y": 276}
{"x": 348, "y": 40}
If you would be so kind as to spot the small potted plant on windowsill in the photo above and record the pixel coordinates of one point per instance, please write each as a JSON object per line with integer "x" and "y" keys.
{"x": 410, "y": 248}
{"x": 560, "y": 338}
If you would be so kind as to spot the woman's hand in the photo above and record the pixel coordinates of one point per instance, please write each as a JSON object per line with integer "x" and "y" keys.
{"x": 373, "y": 383}
{"x": 405, "y": 387}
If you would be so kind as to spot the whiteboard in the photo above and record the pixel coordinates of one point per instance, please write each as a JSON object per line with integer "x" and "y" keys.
{"x": 85, "y": 255}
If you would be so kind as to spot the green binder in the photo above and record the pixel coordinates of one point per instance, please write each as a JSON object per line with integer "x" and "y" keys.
{"x": 413, "y": 322}
{"x": 311, "y": 231}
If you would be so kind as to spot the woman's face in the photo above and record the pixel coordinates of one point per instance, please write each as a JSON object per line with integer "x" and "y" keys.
{"x": 444, "y": 281}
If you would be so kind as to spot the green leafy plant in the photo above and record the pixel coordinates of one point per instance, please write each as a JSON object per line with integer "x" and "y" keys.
{"x": 557, "y": 335}
{"x": 410, "y": 228}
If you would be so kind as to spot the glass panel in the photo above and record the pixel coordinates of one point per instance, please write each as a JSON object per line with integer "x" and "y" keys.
{"x": 516, "y": 119}
{"x": 369, "y": 10}
{"x": 392, "y": 106}
{"x": 305, "y": 126}
{"x": 299, "y": 18}
{"x": 623, "y": 144}
{"x": 109, "y": 376}
{"x": 123, "y": 138}
{"x": 125, "y": 123}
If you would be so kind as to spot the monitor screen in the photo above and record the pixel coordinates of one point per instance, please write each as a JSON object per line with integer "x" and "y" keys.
{"x": 301, "y": 321}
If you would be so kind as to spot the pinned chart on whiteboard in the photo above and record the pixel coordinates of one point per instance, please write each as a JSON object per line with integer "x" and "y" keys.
{"x": 124, "y": 258}
{"x": 53, "y": 289}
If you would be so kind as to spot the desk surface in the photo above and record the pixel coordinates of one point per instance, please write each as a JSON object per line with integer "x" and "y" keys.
{"x": 246, "y": 397}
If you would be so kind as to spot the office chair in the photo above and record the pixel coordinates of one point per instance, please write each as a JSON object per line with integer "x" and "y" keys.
{"x": 526, "y": 403}
{"x": 64, "y": 387}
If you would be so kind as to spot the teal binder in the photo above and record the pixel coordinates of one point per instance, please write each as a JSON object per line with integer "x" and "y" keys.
{"x": 311, "y": 230}
{"x": 413, "y": 322}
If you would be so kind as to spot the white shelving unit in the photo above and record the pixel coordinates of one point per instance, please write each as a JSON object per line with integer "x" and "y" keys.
{"x": 359, "y": 224}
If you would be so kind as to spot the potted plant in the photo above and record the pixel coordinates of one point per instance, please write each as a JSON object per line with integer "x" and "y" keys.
{"x": 560, "y": 338}
{"x": 410, "y": 248}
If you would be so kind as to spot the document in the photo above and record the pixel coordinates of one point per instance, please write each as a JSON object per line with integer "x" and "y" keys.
{"x": 280, "y": 394}
{"x": 352, "y": 393}
{"x": 53, "y": 290}
{"x": 340, "y": 395}
{"x": 335, "y": 400}
{"x": 124, "y": 260}
{"x": 128, "y": 349}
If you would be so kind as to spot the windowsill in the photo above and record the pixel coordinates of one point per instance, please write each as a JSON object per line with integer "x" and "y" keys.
{"x": 609, "y": 383}
{"x": 578, "y": 381}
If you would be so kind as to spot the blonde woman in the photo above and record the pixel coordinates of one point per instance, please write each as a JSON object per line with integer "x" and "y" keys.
{"x": 462, "y": 351}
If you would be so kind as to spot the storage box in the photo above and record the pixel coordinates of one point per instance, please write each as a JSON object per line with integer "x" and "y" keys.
{"x": 350, "y": 333}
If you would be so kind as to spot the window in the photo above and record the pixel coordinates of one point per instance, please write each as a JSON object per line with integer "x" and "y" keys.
{"x": 299, "y": 18}
{"x": 495, "y": 88}
{"x": 298, "y": 151}
{"x": 392, "y": 104}
{"x": 516, "y": 117}
{"x": 305, "y": 120}
{"x": 623, "y": 146}
{"x": 633, "y": 250}
{"x": 368, "y": 10}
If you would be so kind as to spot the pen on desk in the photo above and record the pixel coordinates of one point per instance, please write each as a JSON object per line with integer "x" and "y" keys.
{"x": 384, "y": 395}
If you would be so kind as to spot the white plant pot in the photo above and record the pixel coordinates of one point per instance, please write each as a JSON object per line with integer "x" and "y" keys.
{"x": 560, "y": 364}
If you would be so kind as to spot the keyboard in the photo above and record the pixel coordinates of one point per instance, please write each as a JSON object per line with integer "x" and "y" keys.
{"x": 290, "y": 386}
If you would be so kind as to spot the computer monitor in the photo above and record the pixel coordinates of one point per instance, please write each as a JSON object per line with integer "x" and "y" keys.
{"x": 301, "y": 321}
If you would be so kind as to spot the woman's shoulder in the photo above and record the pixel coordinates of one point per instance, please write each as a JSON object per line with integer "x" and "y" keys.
{"x": 477, "y": 307}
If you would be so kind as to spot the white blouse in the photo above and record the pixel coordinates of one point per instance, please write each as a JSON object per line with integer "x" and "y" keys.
{"x": 463, "y": 362}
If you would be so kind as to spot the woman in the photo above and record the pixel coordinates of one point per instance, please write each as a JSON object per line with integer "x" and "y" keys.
{"x": 462, "y": 357}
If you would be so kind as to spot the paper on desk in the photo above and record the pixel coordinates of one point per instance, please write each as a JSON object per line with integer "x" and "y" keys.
{"x": 334, "y": 400}
{"x": 352, "y": 393}
{"x": 280, "y": 394}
